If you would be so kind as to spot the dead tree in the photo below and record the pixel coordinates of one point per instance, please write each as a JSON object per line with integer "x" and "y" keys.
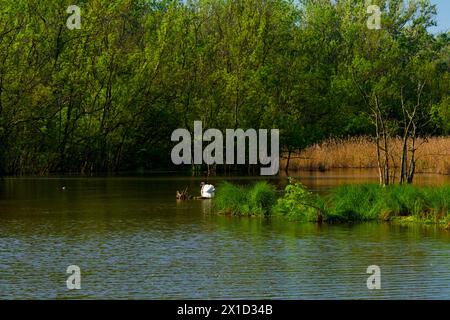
{"x": 410, "y": 123}
{"x": 382, "y": 136}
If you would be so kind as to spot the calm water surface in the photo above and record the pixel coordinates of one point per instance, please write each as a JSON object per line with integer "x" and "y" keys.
{"x": 132, "y": 239}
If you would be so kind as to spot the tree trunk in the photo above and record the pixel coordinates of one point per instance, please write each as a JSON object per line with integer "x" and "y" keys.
{"x": 286, "y": 169}
{"x": 403, "y": 165}
{"x": 377, "y": 139}
{"x": 412, "y": 164}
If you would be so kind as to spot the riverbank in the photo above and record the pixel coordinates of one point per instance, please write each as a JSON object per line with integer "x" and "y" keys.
{"x": 347, "y": 203}
{"x": 433, "y": 155}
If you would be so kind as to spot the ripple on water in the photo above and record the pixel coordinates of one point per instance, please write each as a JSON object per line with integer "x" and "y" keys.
{"x": 132, "y": 243}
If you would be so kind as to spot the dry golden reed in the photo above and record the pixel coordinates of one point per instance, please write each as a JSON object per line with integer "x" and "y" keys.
{"x": 432, "y": 155}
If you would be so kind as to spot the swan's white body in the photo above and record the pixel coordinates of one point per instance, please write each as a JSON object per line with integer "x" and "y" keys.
{"x": 207, "y": 191}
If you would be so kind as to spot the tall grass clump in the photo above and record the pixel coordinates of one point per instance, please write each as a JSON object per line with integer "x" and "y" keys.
{"x": 261, "y": 198}
{"x": 372, "y": 202}
{"x": 401, "y": 201}
{"x": 438, "y": 205}
{"x": 257, "y": 199}
{"x": 229, "y": 198}
{"x": 354, "y": 203}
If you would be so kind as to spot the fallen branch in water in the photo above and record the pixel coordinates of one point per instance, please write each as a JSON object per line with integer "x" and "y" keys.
{"x": 183, "y": 195}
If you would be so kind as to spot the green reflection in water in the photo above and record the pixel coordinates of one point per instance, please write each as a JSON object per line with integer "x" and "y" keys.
{"x": 132, "y": 239}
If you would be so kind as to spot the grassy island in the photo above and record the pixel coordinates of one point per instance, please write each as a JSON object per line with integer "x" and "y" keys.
{"x": 348, "y": 203}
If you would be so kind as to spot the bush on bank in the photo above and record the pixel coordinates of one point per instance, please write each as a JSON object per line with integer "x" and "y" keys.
{"x": 299, "y": 203}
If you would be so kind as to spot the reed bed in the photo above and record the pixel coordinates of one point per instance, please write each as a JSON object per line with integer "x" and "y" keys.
{"x": 433, "y": 155}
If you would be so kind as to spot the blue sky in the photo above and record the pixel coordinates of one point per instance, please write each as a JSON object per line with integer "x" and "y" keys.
{"x": 443, "y": 16}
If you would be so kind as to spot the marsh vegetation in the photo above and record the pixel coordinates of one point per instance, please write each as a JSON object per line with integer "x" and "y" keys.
{"x": 346, "y": 203}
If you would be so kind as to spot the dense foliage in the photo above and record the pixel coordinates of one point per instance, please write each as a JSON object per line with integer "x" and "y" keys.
{"x": 106, "y": 97}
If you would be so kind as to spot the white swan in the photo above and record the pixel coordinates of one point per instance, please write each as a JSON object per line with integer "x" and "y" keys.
{"x": 207, "y": 190}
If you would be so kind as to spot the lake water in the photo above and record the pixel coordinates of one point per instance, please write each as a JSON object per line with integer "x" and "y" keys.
{"x": 133, "y": 240}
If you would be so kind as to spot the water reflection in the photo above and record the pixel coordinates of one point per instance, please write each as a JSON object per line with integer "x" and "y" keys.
{"x": 132, "y": 239}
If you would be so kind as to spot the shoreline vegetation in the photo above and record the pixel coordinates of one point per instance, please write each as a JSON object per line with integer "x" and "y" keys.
{"x": 343, "y": 204}
{"x": 433, "y": 155}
